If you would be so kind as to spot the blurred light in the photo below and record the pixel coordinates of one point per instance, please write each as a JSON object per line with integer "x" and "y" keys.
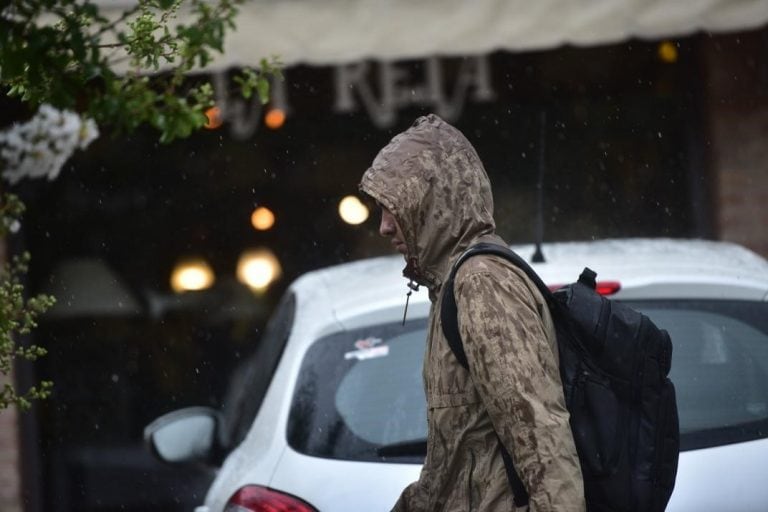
{"x": 258, "y": 268}
{"x": 352, "y": 211}
{"x": 607, "y": 287}
{"x": 602, "y": 287}
{"x": 214, "y": 117}
{"x": 667, "y": 52}
{"x": 191, "y": 274}
{"x": 275, "y": 118}
{"x": 262, "y": 218}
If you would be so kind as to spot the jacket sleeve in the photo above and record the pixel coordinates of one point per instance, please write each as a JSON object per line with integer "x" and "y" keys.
{"x": 411, "y": 500}
{"x": 514, "y": 369}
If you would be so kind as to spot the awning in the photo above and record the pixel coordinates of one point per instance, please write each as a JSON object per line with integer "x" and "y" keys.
{"x": 337, "y": 31}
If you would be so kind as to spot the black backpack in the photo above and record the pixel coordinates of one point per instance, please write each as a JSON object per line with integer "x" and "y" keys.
{"x": 614, "y": 364}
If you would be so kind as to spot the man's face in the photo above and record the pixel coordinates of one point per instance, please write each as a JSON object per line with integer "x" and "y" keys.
{"x": 390, "y": 229}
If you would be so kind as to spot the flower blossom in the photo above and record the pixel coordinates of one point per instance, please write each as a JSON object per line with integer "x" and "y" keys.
{"x": 41, "y": 146}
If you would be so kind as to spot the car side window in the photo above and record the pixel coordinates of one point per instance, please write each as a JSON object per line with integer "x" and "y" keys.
{"x": 251, "y": 379}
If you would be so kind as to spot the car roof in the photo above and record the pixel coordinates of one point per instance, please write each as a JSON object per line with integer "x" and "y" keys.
{"x": 659, "y": 268}
{"x": 645, "y": 268}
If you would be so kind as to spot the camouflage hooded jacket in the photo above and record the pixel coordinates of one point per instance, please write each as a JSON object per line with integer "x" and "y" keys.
{"x": 431, "y": 179}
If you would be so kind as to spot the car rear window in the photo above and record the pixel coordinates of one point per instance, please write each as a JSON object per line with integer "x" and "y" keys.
{"x": 719, "y": 368}
{"x": 360, "y": 393}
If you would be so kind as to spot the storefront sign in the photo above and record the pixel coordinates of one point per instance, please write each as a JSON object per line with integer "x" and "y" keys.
{"x": 380, "y": 89}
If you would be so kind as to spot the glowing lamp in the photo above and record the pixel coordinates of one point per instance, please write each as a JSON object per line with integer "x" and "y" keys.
{"x": 258, "y": 268}
{"x": 191, "y": 274}
{"x": 214, "y": 117}
{"x": 667, "y": 52}
{"x": 262, "y": 218}
{"x": 274, "y": 119}
{"x": 352, "y": 211}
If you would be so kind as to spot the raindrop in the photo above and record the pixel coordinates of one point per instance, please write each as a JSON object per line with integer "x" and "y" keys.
{"x": 115, "y": 377}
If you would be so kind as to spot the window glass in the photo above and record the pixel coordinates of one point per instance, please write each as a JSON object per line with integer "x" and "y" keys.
{"x": 360, "y": 393}
{"x": 250, "y": 381}
{"x": 378, "y": 399}
{"x": 719, "y": 368}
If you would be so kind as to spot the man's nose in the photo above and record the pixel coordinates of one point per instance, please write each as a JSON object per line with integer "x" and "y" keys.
{"x": 387, "y": 226}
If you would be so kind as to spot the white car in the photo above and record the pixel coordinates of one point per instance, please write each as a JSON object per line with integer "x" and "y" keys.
{"x": 342, "y": 423}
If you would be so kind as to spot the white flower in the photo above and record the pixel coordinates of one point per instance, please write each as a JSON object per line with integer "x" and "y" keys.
{"x": 11, "y": 138}
{"x": 41, "y": 146}
{"x": 89, "y": 132}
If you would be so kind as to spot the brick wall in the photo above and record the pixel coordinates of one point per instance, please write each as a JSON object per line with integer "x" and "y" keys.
{"x": 736, "y": 85}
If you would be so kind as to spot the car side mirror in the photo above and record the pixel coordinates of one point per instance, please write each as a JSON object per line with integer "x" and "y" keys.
{"x": 186, "y": 435}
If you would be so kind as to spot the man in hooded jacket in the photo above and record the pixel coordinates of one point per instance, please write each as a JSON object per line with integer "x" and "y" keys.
{"x": 436, "y": 202}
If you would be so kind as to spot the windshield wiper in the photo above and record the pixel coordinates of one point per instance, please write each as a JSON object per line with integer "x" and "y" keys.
{"x": 413, "y": 448}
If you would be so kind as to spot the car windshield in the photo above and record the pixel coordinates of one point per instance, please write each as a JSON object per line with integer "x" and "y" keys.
{"x": 360, "y": 393}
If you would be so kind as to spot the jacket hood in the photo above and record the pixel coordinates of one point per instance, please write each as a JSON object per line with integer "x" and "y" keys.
{"x": 434, "y": 184}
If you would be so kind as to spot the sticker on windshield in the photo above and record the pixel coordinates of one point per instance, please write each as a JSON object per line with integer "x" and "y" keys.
{"x": 368, "y": 353}
{"x": 368, "y": 342}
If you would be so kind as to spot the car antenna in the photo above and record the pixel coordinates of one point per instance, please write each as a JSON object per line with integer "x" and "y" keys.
{"x": 538, "y": 255}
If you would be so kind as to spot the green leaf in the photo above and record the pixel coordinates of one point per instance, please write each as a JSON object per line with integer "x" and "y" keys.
{"x": 262, "y": 86}
{"x": 69, "y": 65}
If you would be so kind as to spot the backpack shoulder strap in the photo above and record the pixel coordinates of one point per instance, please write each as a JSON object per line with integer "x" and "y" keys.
{"x": 448, "y": 309}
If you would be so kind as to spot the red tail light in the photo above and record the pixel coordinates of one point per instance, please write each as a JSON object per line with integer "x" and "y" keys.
{"x": 603, "y": 287}
{"x": 254, "y": 498}
{"x": 608, "y": 287}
